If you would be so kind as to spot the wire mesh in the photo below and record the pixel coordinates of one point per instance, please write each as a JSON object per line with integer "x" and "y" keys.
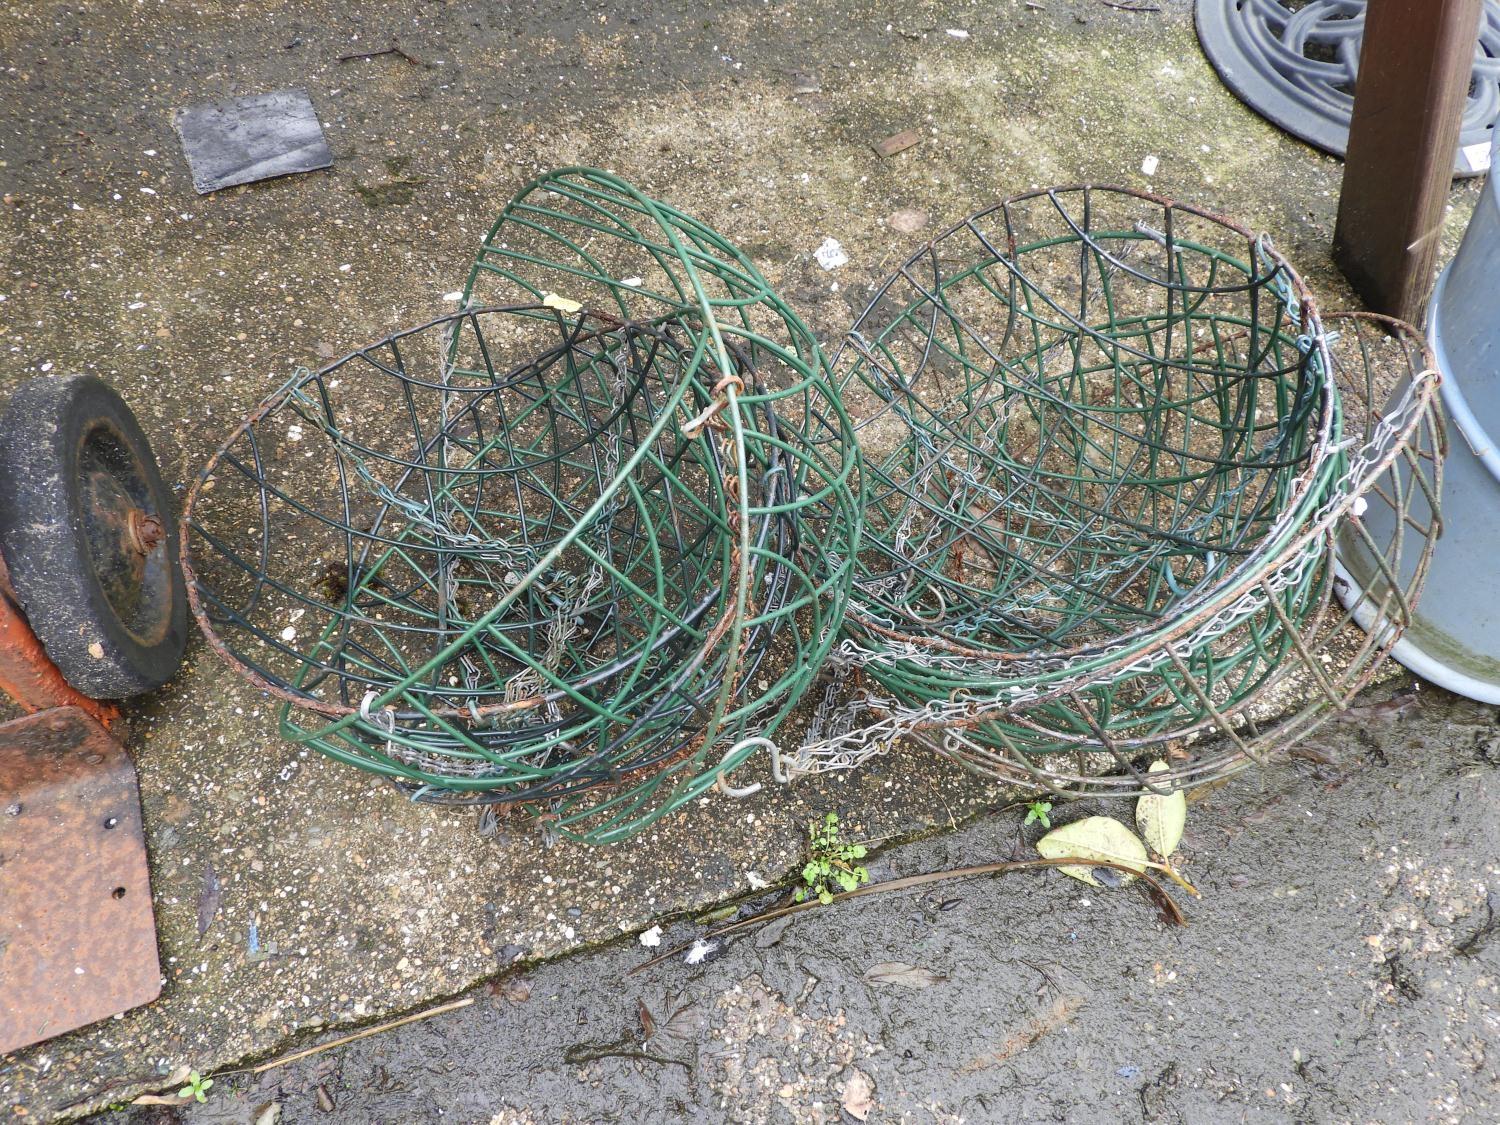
{"x": 553, "y": 549}
{"x": 581, "y": 546}
{"x": 1106, "y": 462}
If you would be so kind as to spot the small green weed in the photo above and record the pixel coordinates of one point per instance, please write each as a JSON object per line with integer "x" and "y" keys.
{"x": 197, "y": 1087}
{"x": 831, "y": 863}
{"x": 1039, "y": 811}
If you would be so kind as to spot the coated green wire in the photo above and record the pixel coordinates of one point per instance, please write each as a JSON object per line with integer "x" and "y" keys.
{"x": 1113, "y": 417}
{"x": 1102, "y": 426}
{"x": 551, "y": 589}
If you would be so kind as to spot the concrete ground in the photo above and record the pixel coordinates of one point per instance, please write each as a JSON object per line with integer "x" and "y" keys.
{"x": 756, "y": 117}
{"x": 1343, "y": 965}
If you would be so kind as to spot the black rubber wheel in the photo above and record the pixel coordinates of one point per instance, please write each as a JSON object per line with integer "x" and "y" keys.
{"x": 89, "y": 537}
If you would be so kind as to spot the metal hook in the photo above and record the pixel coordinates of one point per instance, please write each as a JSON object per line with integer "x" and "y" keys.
{"x": 777, "y": 772}
{"x": 385, "y": 719}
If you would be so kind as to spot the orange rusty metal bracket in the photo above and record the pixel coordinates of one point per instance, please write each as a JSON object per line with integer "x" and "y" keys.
{"x": 77, "y": 930}
{"x": 27, "y": 675}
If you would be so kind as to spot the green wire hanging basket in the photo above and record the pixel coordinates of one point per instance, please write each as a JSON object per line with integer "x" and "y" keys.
{"x": 564, "y": 549}
{"x": 1105, "y": 458}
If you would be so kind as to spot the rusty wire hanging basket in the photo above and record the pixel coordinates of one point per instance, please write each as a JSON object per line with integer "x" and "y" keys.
{"x": 565, "y": 548}
{"x": 1107, "y": 460}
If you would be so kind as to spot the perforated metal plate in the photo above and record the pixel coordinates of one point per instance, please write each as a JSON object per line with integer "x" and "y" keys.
{"x": 1295, "y": 63}
{"x": 77, "y": 932}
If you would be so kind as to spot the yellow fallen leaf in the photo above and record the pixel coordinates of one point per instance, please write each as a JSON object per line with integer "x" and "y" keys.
{"x": 1094, "y": 837}
{"x": 561, "y": 304}
{"x": 1161, "y": 819}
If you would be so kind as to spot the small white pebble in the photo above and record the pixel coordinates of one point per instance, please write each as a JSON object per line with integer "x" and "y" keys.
{"x": 346, "y": 267}
{"x": 456, "y": 295}
{"x": 831, "y": 254}
{"x": 958, "y": 33}
{"x": 289, "y": 633}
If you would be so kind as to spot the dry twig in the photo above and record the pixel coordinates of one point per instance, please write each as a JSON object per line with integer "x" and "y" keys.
{"x": 1170, "y": 909}
{"x": 451, "y": 1006}
{"x": 391, "y": 50}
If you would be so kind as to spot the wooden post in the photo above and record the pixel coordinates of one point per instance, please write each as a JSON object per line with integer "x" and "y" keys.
{"x": 1414, "y": 70}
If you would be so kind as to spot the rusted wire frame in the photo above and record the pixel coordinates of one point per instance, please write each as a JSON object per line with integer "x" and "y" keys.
{"x": 1027, "y": 307}
{"x": 382, "y": 711}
